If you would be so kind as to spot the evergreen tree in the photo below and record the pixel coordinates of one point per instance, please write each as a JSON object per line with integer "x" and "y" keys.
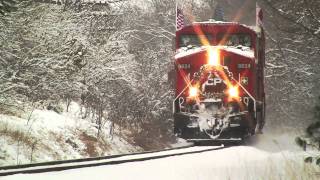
{"x": 313, "y": 137}
{"x": 313, "y": 128}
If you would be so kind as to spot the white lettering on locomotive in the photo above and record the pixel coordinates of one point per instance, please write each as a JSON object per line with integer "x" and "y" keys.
{"x": 217, "y": 81}
{"x": 213, "y": 81}
{"x": 184, "y": 66}
{"x": 244, "y": 66}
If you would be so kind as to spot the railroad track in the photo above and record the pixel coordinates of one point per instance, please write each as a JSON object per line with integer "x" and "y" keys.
{"x": 105, "y": 160}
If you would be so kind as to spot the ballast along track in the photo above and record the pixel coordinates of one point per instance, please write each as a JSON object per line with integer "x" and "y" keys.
{"x": 99, "y": 161}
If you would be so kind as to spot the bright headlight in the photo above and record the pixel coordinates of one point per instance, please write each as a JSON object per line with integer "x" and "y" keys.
{"x": 233, "y": 92}
{"x": 193, "y": 92}
{"x": 213, "y": 58}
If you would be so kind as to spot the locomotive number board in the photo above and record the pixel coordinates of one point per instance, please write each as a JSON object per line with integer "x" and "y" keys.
{"x": 184, "y": 66}
{"x": 244, "y": 66}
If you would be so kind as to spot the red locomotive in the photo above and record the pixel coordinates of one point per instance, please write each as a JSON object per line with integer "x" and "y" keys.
{"x": 219, "y": 81}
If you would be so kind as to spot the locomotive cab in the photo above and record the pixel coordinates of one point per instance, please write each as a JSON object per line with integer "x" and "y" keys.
{"x": 219, "y": 81}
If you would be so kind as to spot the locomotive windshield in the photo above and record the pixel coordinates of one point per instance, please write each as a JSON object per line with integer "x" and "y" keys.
{"x": 193, "y": 40}
{"x": 234, "y": 39}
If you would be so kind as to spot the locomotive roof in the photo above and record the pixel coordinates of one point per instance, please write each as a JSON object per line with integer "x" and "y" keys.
{"x": 210, "y": 23}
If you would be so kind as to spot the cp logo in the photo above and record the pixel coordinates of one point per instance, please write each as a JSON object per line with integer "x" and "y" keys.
{"x": 217, "y": 81}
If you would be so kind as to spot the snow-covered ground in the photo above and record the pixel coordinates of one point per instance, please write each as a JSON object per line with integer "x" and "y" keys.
{"x": 268, "y": 156}
{"x": 45, "y": 135}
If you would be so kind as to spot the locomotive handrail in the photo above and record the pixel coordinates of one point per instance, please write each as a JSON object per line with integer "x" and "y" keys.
{"x": 173, "y": 107}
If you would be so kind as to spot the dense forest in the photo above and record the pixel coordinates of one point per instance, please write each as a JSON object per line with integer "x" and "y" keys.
{"x": 113, "y": 58}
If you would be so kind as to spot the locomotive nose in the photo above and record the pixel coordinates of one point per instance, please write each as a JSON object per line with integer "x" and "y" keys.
{"x": 213, "y": 56}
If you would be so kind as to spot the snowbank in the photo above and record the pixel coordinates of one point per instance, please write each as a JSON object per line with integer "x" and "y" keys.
{"x": 44, "y": 135}
{"x": 236, "y": 163}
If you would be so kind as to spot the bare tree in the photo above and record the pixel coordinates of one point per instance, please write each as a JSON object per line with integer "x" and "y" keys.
{"x": 292, "y": 53}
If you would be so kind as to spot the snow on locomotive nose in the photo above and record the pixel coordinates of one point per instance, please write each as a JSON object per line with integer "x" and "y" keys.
{"x": 219, "y": 86}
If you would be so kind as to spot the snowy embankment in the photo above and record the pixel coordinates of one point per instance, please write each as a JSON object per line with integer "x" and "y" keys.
{"x": 268, "y": 156}
{"x": 46, "y": 136}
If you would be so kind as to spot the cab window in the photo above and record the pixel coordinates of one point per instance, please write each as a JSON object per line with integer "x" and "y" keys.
{"x": 234, "y": 40}
{"x": 193, "y": 40}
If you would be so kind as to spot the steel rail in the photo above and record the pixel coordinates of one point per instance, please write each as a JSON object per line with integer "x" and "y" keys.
{"x": 86, "y": 159}
{"x": 41, "y": 169}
